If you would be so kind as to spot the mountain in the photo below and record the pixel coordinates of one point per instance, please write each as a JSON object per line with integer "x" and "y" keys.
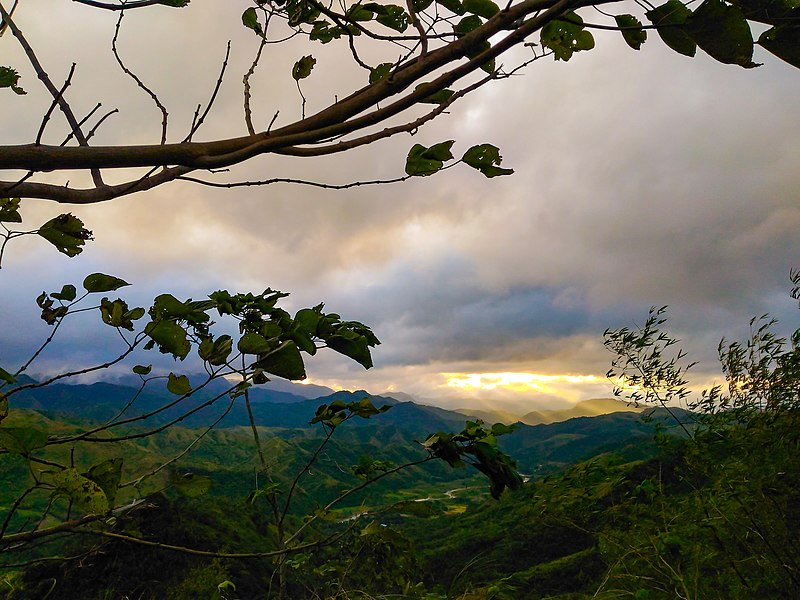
{"x": 585, "y": 408}
{"x": 537, "y": 449}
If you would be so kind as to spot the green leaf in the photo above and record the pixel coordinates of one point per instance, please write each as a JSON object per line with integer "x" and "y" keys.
{"x": 142, "y": 369}
{"x": 107, "y": 475}
{"x": 22, "y": 440}
{"x": 303, "y": 67}
{"x": 6, "y": 376}
{"x": 567, "y": 36}
{"x": 9, "y": 78}
{"x": 422, "y": 161}
{"x": 632, "y": 30}
{"x": 484, "y": 157}
{"x": 175, "y": 3}
{"x": 379, "y": 72}
{"x": 216, "y": 352}
{"x": 454, "y": 6}
{"x": 502, "y": 429}
{"x": 722, "y": 31}
{"x": 66, "y": 233}
{"x": 323, "y": 32}
{"x": 467, "y": 24}
{"x": 364, "y": 408}
{"x": 81, "y": 491}
{"x": 9, "y": 210}
{"x": 190, "y": 484}
{"x": 438, "y": 97}
{"x": 358, "y": 12}
{"x": 285, "y": 361}
{"x": 116, "y": 313}
{"x": 98, "y": 282}
{"x": 250, "y": 20}
{"x": 784, "y": 42}
{"x": 68, "y": 293}
{"x": 178, "y": 384}
{"x": 254, "y": 343}
{"x": 170, "y": 337}
{"x": 394, "y": 17}
{"x": 483, "y": 8}
{"x": 669, "y": 18}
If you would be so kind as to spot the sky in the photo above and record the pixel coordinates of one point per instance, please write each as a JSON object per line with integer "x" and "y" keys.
{"x": 641, "y": 179}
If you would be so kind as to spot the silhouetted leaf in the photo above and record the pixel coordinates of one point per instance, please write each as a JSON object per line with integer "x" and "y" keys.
{"x": 303, "y": 67}
{"x": 178, "y": 384}
{"x": 670, "y": 19}
{"x": 722, "y": 31}
{"x": 632, "y": 30}
{"x": 9, "y": 210}
{"x": 66, "y": 233}
{"x": 484, "y": 157}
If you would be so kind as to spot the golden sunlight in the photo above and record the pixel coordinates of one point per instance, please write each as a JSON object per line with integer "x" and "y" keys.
{"x": 518, "y": 382}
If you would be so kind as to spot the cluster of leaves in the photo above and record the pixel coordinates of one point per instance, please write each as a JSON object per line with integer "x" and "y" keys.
{"x": 477, "y": 445}
{"x": 718, "y": 27}
{"x": 422, "y": 161}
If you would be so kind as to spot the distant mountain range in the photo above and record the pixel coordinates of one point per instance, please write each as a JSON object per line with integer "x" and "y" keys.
{"x": 579, "y": 433}
{"x": 585, "y": 408}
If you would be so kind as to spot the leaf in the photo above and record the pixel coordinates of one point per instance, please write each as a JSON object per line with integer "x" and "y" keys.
{"x": 467, "y": 24}
{"x": 22, "y": 440}
{"x": 107, "y": 475}
{"x": 82, "y": 491}
{"x": 3, "y": 407}
{"x": 117, "y": 314}
{"x": 9, "y": 78}
{"x": 6, "y": 376}
{"x": 422, "y": 161}
{"x": 175, "y": 3}
{"x": 722, "y": 31}
{"x": 784, "y": 42}
{"x": 285, "y": 361}
{"x": 170, "y": 337}
{"x": 358, "y": 12}
{"x": 216, "y": 352}
{"x": 142, "y": 369}
{"x": 364, "y": 408}
{"x": 390, "y": 15}
{"x": 484, "y": 157}
{"x": 190, "y": 484}
{"x": 438, "y": 97}
{"x": 632, "y": 30}
{"x": 566, "y": 36}
{"x": 250, "y": 20}
{"x": 303, "y": 67}
{"x": 379, "y": 72}
{"x": 453, "y": 6}
{"x": 66, "y": 233}
{"x": 179, "y": 384}
{"x": 323, "y": 32}
{"x": 9, "y": 210}
{"x": 669, "y": 19}
{"x": 68, "y": 293}
{"x": 253, "y": 343}
{"x": 483, "y": 8}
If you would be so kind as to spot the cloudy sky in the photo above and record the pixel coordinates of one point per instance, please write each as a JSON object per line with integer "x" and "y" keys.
{"x": 641, "y": 178}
